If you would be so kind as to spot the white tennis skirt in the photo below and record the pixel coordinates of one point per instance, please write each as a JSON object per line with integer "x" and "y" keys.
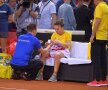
{"x": 65, "y": 52}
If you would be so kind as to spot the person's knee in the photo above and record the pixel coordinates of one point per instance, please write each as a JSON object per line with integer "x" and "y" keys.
{"x": 57, "y": 56}
{"x": 44, "y": 56}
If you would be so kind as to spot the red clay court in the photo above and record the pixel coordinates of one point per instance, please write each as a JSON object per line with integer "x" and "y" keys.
{"x": 6, "y": 84}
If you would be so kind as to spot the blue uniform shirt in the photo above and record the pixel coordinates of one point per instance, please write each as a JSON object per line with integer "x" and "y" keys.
{"x": 24, "y": 48}
{"x": 5, "y": 11}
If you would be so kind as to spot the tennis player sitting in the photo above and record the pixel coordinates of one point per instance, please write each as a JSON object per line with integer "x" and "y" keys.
{"x": 61, "y": 42}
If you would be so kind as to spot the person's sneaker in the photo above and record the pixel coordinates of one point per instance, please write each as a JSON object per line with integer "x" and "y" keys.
{"x": 53, "y": 78}
{"x": 94, "y": 83}
{"x": 103, "y": 83}
{"x": 25, "y": 76}
{"x": 15, "y": 77}
{"x": 39, "y": 77}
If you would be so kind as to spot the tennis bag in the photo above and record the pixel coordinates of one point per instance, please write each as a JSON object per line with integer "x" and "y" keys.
{"x": 5, "y": 69}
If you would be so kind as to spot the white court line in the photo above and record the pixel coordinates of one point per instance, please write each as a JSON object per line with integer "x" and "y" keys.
{"x": 5, "y": 88}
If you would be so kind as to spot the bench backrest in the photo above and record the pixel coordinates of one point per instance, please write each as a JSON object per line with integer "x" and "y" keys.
{"x": 80, "y": 50}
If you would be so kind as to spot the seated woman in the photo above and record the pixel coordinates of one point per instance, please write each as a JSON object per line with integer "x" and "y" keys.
{"x": 60, "y": 44}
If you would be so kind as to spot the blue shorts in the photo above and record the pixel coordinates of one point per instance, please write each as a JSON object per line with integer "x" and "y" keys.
{"x": 3, "y": 26}
{"x": 3, "y": 29}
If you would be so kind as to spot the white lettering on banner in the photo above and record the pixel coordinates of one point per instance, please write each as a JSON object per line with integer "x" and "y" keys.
{"x": 3, "y": 11}
{"x": 23, "y": 40}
